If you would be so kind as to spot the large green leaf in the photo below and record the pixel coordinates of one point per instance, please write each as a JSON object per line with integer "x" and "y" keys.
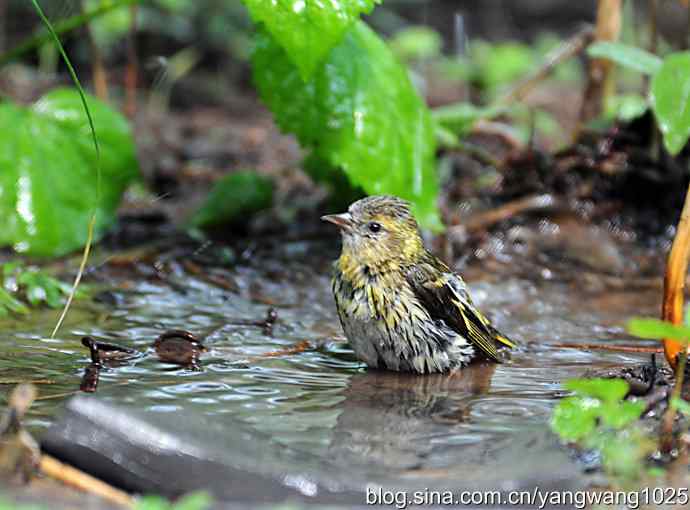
{"x": 48, "y": 172}
{"x": 358, "y": 112}
{"x": 308, "y": 29}
{"x": 670, "y": 98}
{"x": 627, "y": 56}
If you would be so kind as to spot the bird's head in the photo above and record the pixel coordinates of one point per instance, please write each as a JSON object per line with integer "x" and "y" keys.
{"x": 379, "y": 231}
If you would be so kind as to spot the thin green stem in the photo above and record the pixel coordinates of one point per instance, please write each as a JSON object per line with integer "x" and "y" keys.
{"x": 92, "y": 222}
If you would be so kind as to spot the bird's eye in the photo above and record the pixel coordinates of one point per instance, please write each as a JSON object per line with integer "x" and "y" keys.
{"x": 374, "y": 227}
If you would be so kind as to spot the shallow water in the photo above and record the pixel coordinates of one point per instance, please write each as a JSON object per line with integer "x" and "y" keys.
{"x": 484, "y": 426}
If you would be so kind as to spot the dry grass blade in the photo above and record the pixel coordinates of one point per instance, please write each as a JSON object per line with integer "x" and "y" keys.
{"x": 92, "y": 223}
{"x": 84, "y": 482}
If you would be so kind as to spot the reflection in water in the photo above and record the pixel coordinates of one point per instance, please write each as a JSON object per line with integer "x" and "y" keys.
{"x": 388, "y": 418}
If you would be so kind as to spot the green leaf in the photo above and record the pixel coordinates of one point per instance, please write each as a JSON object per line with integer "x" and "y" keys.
{"x": 626, "y": 107}
{"x": 461, "y": 117}
{"x": 150, "y": 502}
{"x": 606, "y": 390}
{"x": 619, "y": 414}
{"x": 575, "y": 417}
{"x": 682, "y": 405}
{"x": 500, "y": 64}
{"x": 623, "y": 454}
{"x": 233, "y": 197}
{"x": 416, "y": 43}
{"x": 42, "y": 288}
{"x": 308, "y": 29}
{"x": 359, "y": 112}
{"x": 627, "y": 56}
{"x": 656, "y": 329}
{"x": 194, "y": 501}
{"x": 670, "y": 99}
{"x": 48, "y": 179}
{"x": 9, "y": 304}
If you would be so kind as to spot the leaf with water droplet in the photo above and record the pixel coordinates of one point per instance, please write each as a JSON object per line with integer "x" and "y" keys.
{"x": 48, "y": 181}
{"x": 670, "y": 98}
{"x": 308, "y": 29}
{"x": 358, "y": 112}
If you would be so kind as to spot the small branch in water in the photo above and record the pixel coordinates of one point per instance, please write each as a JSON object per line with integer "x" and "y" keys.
{"x": 608, "y": 347}
{"x": 22, "y": 381}
{"x": 299, "y": 347}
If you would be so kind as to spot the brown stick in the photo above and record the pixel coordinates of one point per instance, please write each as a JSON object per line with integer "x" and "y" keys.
{"x": 666, "y": 432}
{"x": 612, "y": 348}
{"x": 674, "y": 280}
{"x": 68, "y": 475}
{"x": 98, "y": 73}
{"x": 3, "y": 25}
{"x": 486, "y": 219}
{"x": 563, "y": 52}
{"x": 599, "y": 82}
{"x": 299, "y": 347}
{"x": 132, "y": 72}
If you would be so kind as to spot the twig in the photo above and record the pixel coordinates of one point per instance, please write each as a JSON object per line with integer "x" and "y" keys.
{"x": 3, "y": 25}
{"x": 486, "y": 219}
{"x": 674, "y": 280}
{"x": 499, "y": 130}
{"x": 132, "y": 72}
{"x": 98, "y": 73}
{"x": 563, "y": 52}
{"x": 22, "y": 381}
{"x": 299, "y": 347}
{"x": 605, "y": 347}
{"x": 73, "y": 477}
{"x": 599, "y": 82}
{"x": 653, "y": 25}
{"x": 666, "y": 433}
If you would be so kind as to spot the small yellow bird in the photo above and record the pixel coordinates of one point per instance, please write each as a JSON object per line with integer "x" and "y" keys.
{"x": 402, "y": 308}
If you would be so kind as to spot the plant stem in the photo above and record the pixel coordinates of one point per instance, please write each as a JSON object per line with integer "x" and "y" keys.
{"x": 599, "y": 81}
{"x": 674, "y": 280}
{"x": 666, "y": 435}
{"x": 3, "y": 25}
{"x": 98, "y": 73}
{"x": 132, "y": 72}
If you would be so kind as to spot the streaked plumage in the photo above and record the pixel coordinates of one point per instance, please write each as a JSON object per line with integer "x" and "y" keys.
{"x": 402, "y": 308}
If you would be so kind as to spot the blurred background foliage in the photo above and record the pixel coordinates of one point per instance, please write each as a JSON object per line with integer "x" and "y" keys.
{"x": 449, "y": 73}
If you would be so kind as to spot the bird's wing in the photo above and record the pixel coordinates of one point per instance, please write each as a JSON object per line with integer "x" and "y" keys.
{"x": 445, "y": 297}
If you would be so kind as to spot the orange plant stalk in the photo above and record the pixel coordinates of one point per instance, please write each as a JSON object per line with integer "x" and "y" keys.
{"x": 674, "y": 281}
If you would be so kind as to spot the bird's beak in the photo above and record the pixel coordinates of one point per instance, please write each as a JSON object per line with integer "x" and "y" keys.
{"x": 343, "y": 221}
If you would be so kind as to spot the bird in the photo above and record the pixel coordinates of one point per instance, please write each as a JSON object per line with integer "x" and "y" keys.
{"x": 402, "y": 308}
